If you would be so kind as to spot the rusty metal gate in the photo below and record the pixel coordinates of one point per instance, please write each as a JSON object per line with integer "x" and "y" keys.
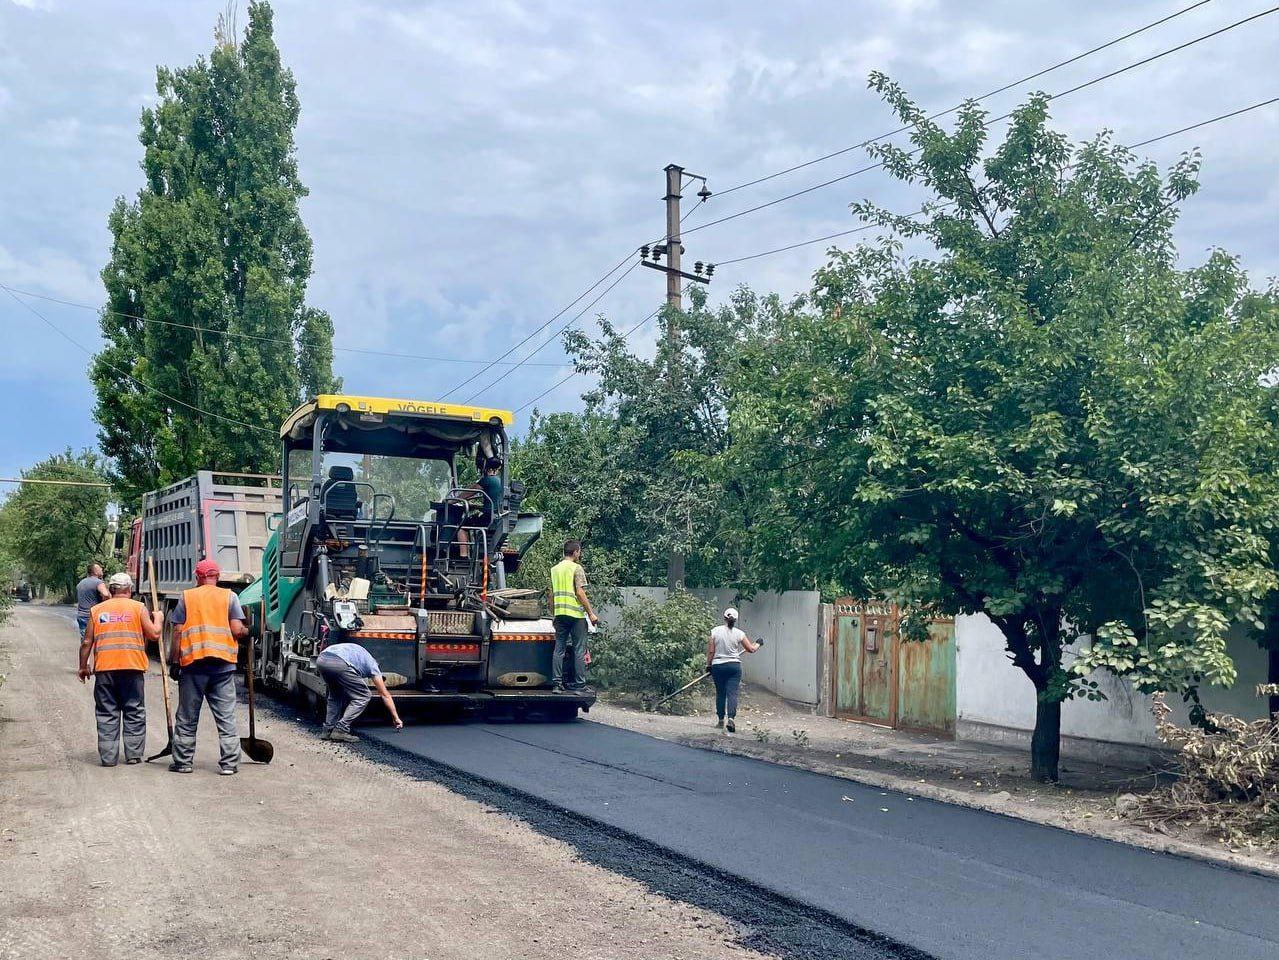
{"x": 880, "y": 678}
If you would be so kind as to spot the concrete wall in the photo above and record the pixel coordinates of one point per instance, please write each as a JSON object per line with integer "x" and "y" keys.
{"x": 789, "y": 664}
{"x": 995, "y": 702}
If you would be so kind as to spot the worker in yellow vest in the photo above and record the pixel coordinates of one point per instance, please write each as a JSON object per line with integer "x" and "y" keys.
{"x": 115, "y": 637}
{"x": 208, "y": 624}
{"x": 571, "y": 609}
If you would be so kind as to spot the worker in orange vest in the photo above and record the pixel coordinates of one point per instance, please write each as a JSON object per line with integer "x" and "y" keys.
{"x": 115, "y": 637}
{"x": 208, "y": 624}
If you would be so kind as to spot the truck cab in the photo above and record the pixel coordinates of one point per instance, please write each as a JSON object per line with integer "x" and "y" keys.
{"x": 385, "y": 542}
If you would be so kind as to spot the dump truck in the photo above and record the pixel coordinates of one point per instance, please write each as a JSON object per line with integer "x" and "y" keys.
{"x": 381, "y": 543}
{"x": 223, "y": 517}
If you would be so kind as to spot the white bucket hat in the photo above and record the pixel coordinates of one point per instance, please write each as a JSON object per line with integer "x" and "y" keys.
{"x": 730, "y": 613}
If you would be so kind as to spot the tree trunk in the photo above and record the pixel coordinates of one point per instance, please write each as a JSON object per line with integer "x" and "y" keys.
{"x": 1045, "y": 744}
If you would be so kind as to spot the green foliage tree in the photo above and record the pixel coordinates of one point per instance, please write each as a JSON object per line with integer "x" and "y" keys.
{"x": 55, "y": 530}
{"x": 1046, "y": 420}
{"x": 214, "y": 251}
{"x": 658, "y": 646}
{"x": 637, "y": 466}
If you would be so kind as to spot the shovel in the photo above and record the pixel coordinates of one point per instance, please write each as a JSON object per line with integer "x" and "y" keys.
{"x": 164, "y": 668}
{"x": 259, "y": 751}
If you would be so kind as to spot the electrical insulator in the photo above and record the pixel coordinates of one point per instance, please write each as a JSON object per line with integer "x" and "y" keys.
{"x": 644, "y": 252}
{"x": 697, "y": 267}
{"x": 710, "y": 269}
{"x": 704, "y": 193}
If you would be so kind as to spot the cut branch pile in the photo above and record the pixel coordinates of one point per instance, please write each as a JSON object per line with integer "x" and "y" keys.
{"x": 1229, "y": 780}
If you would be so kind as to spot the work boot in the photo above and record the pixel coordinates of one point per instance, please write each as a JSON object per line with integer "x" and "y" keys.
{"x": 176, "y": 767}
{"x": 719, "y": 724}
{"x": 326, "y": 735}
{"x": 730, "y": 726}
{"x": 108, "y": 764}
{"x": 341, "y": 737}
{"x": 557, "y": 688}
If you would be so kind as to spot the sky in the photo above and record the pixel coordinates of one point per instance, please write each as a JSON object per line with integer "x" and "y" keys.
{"x": 474, "y": 167}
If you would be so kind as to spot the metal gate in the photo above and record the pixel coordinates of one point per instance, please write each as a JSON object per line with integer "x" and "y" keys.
{"x": 879, "y": 678}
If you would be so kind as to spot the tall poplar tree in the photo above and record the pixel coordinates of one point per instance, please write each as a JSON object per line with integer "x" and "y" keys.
{"x": 213, "y": 256}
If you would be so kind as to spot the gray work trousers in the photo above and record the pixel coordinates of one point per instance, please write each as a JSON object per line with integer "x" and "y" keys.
{"x": 193, "y": 690}
{"x": 348, "y": 693}
{"x": 570, "y": 630}
{"x": 119, "y": 694}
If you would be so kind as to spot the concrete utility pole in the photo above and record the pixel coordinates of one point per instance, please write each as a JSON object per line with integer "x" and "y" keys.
{"x": 674, "y": 183}
{"x": 673, "y": 249}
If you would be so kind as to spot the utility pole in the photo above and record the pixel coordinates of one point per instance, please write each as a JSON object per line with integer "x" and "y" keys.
{"x": 674, "y": 183}
{"x": 672, "y": 248}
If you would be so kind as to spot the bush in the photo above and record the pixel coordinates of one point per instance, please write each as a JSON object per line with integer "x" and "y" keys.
{"x": 1229, "y": 783}
{"x": 657, "y": 648}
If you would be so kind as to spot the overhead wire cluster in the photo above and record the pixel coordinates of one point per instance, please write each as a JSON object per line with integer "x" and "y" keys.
{"x": 611, "y": 279}
{"x": 884, "y": 136}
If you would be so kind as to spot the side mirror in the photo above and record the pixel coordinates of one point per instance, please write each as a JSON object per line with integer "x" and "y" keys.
{"x": 273, "y": 522}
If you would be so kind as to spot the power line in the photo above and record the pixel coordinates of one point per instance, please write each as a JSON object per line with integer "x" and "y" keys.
{"x": 59, "y": 483}
{"x": 146, "y": 386}
{"x": 582, "y": 296}
{"x": 1056, "y": 96}
{"x": 920, "y": 212}
{"x": 559, "y": 383}
{"x": 870, "y": 226}
{"x": 985, "y": 96}
{"x": 554, "y": 336}
{"x": 301, "y": 341}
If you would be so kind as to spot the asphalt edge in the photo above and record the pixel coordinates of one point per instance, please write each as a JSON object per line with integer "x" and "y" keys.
{"x": 912, "y": 787}
{"x": 509, "y": 801}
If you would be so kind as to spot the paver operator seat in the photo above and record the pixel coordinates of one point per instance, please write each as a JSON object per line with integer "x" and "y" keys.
{"x": 340, "y": 495}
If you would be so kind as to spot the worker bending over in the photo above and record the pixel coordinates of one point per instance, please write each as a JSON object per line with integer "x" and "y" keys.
{"x": 115, "y": 635}
{"x": 572, "y": 608}
{"x": 346, "y": 668}
{"x": 208, "y": 624}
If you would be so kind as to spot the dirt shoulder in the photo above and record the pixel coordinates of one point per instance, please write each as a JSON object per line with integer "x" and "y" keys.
{"x": 322, "y": 854}
{"x": 973, "y": 775}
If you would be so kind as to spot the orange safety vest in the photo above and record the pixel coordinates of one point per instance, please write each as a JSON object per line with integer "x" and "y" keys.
{"x": 115, "y": 627}
{"x": 207, "y": 631}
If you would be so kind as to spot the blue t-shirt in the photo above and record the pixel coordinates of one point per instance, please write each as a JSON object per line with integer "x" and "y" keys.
{"x": 356, "y": 656}
{"x": 212, "y": 665}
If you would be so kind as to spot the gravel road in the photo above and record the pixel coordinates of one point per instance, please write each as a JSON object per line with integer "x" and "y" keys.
{"x": 323, "y": 854}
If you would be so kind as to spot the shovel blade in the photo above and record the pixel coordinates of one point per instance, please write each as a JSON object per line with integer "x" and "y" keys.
{"x": 257, "y": 749}
{"x": 166, "y": 752}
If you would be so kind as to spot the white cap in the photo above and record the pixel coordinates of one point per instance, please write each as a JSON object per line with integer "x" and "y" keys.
{"x": 120, "y": 580}
{"x": 730, "y": 613}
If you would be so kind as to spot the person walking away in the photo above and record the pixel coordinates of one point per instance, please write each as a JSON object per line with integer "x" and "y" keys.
{"x": 208, "y": 624}
{"x": 346, "y": 668}
{"x": 115, "y": 637}
{"x": 571, "y": 609}
{"x": 724, "y": 663}
{"x": 89, "y": 591}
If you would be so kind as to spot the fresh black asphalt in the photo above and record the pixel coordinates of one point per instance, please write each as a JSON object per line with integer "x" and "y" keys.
{"x": 948, "y": 881}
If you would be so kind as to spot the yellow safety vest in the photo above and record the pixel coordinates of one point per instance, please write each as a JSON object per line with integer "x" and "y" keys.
{"x": 566, "y": 602}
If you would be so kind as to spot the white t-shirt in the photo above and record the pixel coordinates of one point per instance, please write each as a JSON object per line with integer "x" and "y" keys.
{"x": 728, "y": 644}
